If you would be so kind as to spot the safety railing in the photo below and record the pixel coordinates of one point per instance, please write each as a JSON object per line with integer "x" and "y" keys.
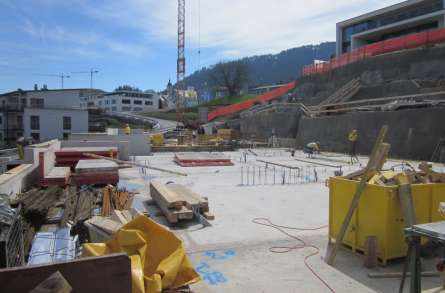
{"x": 392, "y": 45}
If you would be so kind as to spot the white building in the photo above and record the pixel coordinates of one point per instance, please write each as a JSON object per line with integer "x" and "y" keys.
{"x": 47, "y": 123}
{"x": 129, "y": 101}
{"x": 50, "y": 106}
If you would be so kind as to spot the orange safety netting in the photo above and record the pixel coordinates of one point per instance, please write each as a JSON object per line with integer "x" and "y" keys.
{"x": 402, "y": 43}
{"x": 235, "y": 108}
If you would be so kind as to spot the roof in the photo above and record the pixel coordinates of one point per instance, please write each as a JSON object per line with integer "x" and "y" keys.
{"x": 129, "y": 92}
{"x": 380, "y": 12}
{"x": 52, "y": 90}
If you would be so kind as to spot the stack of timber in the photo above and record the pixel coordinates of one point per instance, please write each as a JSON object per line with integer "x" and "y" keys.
{"x": 177, "y": 202}
{"x": 79, "y": 205}
{"x": 202, "y": 160}
{"x": 69, "y": 157}
{"x": 37, "y": 202}
{"x": 96, "y": 171}
{"x": 114, "y": 199}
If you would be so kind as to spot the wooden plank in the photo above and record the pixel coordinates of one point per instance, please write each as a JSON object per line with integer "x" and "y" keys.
{"x": 165, "y": 197}
{"x": 134, "y": 164}
{"x": 55, "y": 283}
{"x": 192, "y": 198}
{"x": 117, "y": 216}
{"x": 377, "y": 150}
{"x": 406, "y": 200}
{"x": 106, "y": 224}
{"x": 317, "y": 163}
{"x": 279, "y": 165}
{"x": 111, "y": 273}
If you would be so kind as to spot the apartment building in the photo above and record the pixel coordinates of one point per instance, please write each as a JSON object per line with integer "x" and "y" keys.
{"x": 19, "y": 109}
{"x": 129, "y": 101}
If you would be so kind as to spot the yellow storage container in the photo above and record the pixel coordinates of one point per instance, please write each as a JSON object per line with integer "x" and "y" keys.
{"x": 379, "y": 214}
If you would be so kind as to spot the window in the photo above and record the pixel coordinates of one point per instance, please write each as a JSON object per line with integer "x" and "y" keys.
{"x": 137, "y": 102}
{"x": 37, "y": 103}
{"x": 23, "y": 100}
{"x": 35, "y": 136}
{"x": 35, "y": 122}
{"x": 126, "y": 101}
{"x": 126, "y": 108}
{"x": 148, "y": 103}
{"x": 66, "y": 123}
{"x": 100, "y": 103}
{"x": 66, "y": 135}
{"x": 113, "y": 102}
{"x": 1, "y": 119}
{"x": 137, "y": 109}
{"x": 19, "y": 121}
{"x": 114, "y": 109}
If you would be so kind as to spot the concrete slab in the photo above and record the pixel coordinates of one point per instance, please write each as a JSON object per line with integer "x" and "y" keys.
{"x": 233, "y": 255}
{"x": 58, "y": 172}
{"x": 96, "y": 166}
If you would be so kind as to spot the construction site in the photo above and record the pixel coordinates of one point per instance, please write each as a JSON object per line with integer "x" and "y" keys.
{"x": 334, "y": 182}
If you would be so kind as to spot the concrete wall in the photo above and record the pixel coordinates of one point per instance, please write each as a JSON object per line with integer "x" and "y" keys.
{"x": 262, "y": 125}
{"x": 138, "y": 144}
{"x": 412, "y": 133}
{"x": 26, "y": 175}
{"x": 19, "y": 179}
{"x": 381, "y": 76}
{"x": 51, "y": 122}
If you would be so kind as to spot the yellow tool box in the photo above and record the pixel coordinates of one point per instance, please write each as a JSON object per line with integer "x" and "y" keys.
{"x": 379, "y": 214}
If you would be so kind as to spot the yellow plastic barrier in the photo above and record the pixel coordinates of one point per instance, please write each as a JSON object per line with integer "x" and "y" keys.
{"x": 379, "y": 214}
{"x": 158, "y": 259}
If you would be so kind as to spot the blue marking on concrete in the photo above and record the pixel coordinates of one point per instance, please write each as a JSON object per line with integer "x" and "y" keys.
{"x": 209, "y": 275}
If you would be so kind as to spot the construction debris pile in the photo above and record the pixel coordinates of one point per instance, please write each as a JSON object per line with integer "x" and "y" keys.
{"x": 424, "y": 175}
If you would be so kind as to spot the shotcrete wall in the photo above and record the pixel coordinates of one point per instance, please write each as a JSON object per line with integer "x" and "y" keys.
{"x": 413, "y": 133}
{"x": 381, "y": 76}
{"x": 262, "y": 125}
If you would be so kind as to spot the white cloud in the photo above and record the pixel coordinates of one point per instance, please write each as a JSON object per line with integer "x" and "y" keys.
{"x": 83, "y": 42}
{"x": 245, "y": 27}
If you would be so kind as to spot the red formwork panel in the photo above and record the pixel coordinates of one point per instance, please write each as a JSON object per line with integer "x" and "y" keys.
{"x": 100, "y": 178}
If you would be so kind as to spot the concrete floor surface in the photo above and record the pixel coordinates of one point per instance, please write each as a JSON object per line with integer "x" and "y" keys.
{"x": 233, "y": 254}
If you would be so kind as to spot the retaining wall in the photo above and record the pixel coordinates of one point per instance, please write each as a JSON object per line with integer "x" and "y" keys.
{"x": 413, "y": 133}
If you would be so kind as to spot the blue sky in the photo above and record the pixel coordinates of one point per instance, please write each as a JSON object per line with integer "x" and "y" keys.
{"x": 134, "y": 41}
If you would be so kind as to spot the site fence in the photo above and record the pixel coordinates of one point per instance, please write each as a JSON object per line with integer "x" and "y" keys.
{"x": 392, "y": 45}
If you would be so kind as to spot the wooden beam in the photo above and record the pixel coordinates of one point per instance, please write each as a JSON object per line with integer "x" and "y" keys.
{"x": 317, "y": 163}
{"x": 370, "y": 168}
{"x": 111, "y": 273}
{"x": 279, "y": 165}
{"x": 133, "y": 164}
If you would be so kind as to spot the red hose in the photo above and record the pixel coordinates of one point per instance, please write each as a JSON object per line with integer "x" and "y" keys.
{"x": 285, "y": 249}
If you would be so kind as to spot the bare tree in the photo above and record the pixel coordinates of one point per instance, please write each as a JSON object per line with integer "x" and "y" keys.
{"x": 231, "y": 75}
